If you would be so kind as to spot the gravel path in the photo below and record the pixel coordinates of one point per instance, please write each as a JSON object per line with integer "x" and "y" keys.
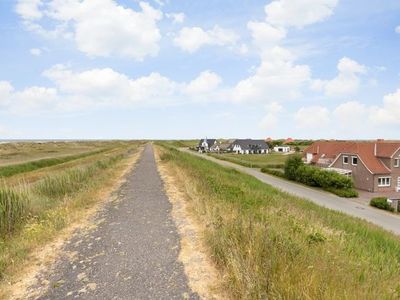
{"x": 350, "y": 206}
{"x": 132, "y": 253}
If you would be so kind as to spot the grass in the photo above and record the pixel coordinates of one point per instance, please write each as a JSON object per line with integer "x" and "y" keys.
{"x": 34, "y": 214}
{"x": 272, "y": 160}
{"x": 269, "y": 244}
{"x": 11, "y": 170}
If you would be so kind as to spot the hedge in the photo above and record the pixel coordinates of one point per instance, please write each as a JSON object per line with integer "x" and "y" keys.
{"x": 381, "y": 203}
{"x": 333, "y": 182}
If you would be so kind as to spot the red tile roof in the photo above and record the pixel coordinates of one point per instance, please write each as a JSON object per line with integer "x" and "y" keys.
{"x": 369, "y": 152}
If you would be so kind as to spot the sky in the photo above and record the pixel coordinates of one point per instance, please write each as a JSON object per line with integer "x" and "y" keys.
{"x": 178, "y": 69}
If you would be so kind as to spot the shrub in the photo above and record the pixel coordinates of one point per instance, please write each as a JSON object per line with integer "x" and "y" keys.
{"x": 381, "y": 203}
{"x": 333, "y": 182}
{"x": 291, "y": 166}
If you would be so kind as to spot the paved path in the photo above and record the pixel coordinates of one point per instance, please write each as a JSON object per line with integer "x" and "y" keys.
{"x": 352, "y": 207}
{"x": 132, "y": 254}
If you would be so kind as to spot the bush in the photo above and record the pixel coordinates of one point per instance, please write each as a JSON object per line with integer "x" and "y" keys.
{"x": 291, "y": 166}
{"x": 381, "y": 203}
{"x": 333, "y": 182}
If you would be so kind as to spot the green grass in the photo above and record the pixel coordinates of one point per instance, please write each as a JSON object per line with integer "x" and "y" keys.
{"x": 11, "y": 170}
{"x": 271, "y": 245}
{"x": 272, "y": 160}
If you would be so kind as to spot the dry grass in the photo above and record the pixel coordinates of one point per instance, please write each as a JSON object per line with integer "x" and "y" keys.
{"x": 201, "y": 272}
{"x": 269, "y": 244}
{"x": 54, "y": 212}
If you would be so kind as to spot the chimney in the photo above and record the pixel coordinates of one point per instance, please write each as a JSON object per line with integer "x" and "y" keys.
{"x": 375, "y": 149}
{"x": 318, "y": 150}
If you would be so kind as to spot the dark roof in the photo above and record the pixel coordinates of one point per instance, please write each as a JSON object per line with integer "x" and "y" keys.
{"x": 210, "y": 142}
{"x": 249, "y": 144}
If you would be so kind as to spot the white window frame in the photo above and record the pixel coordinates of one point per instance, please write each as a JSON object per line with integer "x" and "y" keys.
{"x": 397, "y": 162}
{"x": 352, "y": 160}
{"x": 346, "y": 156}
{"x": 384, "y": 181}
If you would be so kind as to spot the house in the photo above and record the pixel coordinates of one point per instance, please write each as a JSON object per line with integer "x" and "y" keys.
{"x": 206, "y": 144}
{"x": 283, "y": 149}
{"x": 374, "y": 166}
{"x": 249, "y": 146}
{"x": 220, "y": 147}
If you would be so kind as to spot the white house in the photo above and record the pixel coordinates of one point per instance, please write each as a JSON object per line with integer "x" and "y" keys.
{"x": 249, "y": 146}
{"x": 282, "y": 149}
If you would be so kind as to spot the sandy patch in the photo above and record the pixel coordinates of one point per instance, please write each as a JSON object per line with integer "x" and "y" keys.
{"x": 202, "y": 275}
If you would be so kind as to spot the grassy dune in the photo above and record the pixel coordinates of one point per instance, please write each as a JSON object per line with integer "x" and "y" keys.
{"x": 33, "y": 214}
{"x": 273, "y": 160}
{"x": 269, "y": 244}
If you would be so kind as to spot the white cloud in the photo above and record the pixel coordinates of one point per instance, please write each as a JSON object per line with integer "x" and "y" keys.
{"x": 99, "y": 88}
{"x": 298, "y": 13}
{"x": 191, "y": 39}
{"x": 313, "y": 117}
{"x": 278, "y": 78}
{"x": 270, "y": 120}
{"x": 397, "y": 29}
{"x": 347, "y": 82}
{"x": 29, "y": 9}
{"x": 265, "y": 35}
{"x": 390, "y": 111}
{"x": 206, "y": 82}
{"x": 177, "y": 18}
{"x": 36, "y": 51}
{"x": 98, "y": 27}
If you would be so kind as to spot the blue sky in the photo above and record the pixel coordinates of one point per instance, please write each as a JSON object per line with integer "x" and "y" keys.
{"x": 189, "y": 69}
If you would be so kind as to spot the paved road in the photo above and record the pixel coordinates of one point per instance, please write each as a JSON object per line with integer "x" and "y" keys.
{"x": 384, "y": 219}
{"x": 132, "y": 254}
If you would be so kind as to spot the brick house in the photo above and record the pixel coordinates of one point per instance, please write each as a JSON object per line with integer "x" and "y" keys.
{"x": 374, "y": 166}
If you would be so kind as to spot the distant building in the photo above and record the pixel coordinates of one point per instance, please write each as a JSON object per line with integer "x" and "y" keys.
{"x": 205, "y": 145}
{"x": 288, "y": 140}
{"x": 283, "y": 149}
{"x": 374, "y": 166}
{"x": 249, "y": 146}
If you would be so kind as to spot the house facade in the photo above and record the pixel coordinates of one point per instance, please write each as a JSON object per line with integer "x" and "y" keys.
{"x": 282, "y": 149}
{"x": 205, "y": 145}
{"x": 249, "y": 146}
{"x": 374, "y": 166}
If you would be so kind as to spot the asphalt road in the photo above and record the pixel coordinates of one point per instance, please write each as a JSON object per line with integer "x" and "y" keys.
{"x": 132, "y": 254}
{"x": 381, "y": 218}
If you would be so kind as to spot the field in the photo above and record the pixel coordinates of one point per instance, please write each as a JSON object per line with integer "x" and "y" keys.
{"x": 269, "y": 244}
{"x": 273, "y": 160}
{"x": 38, "y": 200}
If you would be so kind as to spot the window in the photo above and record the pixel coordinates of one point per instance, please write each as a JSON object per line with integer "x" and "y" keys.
{"x": 354, "y": 160}
{"x": 345, "y": 160}
{"x": 397, "y": 162}
{"x": 384, "y": 181}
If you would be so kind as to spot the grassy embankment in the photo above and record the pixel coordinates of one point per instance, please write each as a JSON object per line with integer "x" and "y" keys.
{"x": 11, "y": 170}
{"x": 33, "y": 214}
{"x": 269, "y": 244}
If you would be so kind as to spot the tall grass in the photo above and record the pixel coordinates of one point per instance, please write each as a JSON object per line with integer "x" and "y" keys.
{"x": 14, "y": 206}
{"x": 271, "y": 245}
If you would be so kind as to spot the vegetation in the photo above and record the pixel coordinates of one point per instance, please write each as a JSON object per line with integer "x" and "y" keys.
{"x": 333, "y": 182}
{"x": 381, "y": 203}
{"x": 271, "y": 245}
{"x": 272, "y": 160}
{"x": 7, "y": 171}
{"x": 33, "y": 214}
